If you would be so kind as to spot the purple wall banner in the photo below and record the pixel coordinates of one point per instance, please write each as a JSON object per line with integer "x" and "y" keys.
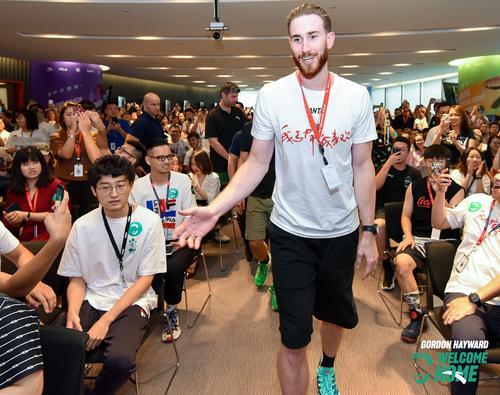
{"x": 65, "y": 81}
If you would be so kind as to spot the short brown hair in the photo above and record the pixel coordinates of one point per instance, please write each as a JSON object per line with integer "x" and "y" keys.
{"x": 202, "y": 160}
{"x": 229, "y": 87}
{"x": 310, "y": 9}
{"x": 65, "y": 106}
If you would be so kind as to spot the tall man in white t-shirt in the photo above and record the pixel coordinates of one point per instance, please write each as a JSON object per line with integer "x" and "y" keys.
{"x": 324, "y": 174}
{"x": 166, "y": 192}
{"x": 111, "y": 257}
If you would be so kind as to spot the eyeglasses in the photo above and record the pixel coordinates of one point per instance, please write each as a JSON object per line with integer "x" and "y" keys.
{"x": 124, "y": 150}
{"x": 161, "y": 158}
{"x": 121, "y": 188}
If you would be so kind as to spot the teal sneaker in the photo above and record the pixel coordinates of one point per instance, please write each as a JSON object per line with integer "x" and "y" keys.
{"x": 327, "y": 382}
{"x": 274, "y": 301}
{"x": 261, "y": 274}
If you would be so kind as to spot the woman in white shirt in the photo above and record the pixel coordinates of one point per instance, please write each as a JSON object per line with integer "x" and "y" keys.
{"x": 206, "y": 183}
{"x": 471, "y": 173}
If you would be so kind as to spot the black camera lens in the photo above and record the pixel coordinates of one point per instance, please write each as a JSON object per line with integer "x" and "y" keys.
{"x": 216, "y": 36}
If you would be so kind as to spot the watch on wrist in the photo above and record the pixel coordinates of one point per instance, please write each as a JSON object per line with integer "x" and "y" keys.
{"x": 370, "y": 228}
{"x": 474, "y": 298}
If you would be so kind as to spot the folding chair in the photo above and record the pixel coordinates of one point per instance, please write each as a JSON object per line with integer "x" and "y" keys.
{"x": 190, "y": 325}
{"x": 440, "y": 255}
{"x": 394, "y": 232}
{"x": 230, "y": 217}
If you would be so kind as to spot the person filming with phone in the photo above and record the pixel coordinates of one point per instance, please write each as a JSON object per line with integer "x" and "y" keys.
{"x": 417, "y": 229}
{"x": 31, "y": 195}
{"x": 391, "y": 183}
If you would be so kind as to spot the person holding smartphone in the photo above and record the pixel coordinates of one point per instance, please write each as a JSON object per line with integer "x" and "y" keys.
{"x": 391, "y": 183}
{"x": 116, "y": 129}
{"x": 31, "y": 194}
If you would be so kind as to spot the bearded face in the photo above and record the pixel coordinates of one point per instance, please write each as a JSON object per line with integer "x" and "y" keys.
{"x": 311, "y": 63}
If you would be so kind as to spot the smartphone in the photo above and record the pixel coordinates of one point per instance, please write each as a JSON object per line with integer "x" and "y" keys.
{"x": 13, "y": 207}
{"x": 395, "y": 150}
{"x": 436, "y": 168}
{"x": 58, "y": 196}
{"x": 51, "y": 102}
{"x": 114, "y": 120}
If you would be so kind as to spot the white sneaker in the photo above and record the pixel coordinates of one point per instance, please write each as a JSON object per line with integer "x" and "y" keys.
{"x": 172, "y": 332}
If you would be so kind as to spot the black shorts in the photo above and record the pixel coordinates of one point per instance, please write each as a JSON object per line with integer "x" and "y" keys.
{"x": 312, "y": 277}
{"x": 417, "y": 255}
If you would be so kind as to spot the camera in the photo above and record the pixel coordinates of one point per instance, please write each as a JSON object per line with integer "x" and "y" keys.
{"x": 395, "y": 150}
{"x": 217, "y": 27}
{"x": 217, "y": 36}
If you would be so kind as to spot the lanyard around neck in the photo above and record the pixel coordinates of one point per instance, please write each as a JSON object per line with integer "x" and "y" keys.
{"x": 484, "y": 233}
{"x": 119, "y": 254}
{"x": 318, "y": 130}
{"x": 32, "y": 203}
{"x": 163, "y": 207}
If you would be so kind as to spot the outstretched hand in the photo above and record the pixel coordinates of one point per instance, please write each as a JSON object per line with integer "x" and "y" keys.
{"x": 367, "y": 249}
{"x": 199, "y": 221}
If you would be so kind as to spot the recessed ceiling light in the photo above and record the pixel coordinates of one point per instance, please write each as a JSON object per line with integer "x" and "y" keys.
{"x": 211, "y": 86}
{"x": 401, "y": 64}
{"x": 180, "y": 75}
{"x": 375, "y": 79}
{"x": 477, "y": 29}
{"x": 347, "y": 74}
{"x": 243, "y": 86}
{"x": 115, "y": 56}
{"x": 199, "y": 82}
{"x": 268, "y": 81}
{"x": 104, "y": 67}
{"x": 236, "y": 82}
{"x": 263, "y": 75}
{"x": 61, "y": 36}
{"x": 207, "y": 68}
{"x": 180, "y": 56}
{"x": 359, "y": 54}
{"x": 365, "y": 83}
{"x": 430, "y": 51}
{"x": 256, "y": 68}
{"x": 154, "y": 68}
{"x": 350, "y": 66}
{"x": 385, "y": 73}
{"x": 223, "y": 75}
{"x": 148, "y": 38}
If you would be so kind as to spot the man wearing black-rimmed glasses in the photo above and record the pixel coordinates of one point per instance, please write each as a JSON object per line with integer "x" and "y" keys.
{"x": 111, "y": 257}
{"x": 166, "y": 192}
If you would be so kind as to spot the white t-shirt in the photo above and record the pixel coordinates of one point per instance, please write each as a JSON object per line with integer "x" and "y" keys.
{"x": 7, "y": 241}
{"x": 4, "y": 135}
{"x": 431, "y": 135}
{"x": 484, "y": 263}
{"x": 458, "y": 177}
{"x": 303, "y": 205}
{"x": 89, "y": 254}
{"x": 180, "y": 197}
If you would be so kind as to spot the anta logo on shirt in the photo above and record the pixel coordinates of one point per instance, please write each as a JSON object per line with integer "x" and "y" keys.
{"x": 423, "y": 202}
{"x": 167, "y": 214}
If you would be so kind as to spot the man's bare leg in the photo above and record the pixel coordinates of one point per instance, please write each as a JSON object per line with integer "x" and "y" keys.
{"x": 293, "y": 372}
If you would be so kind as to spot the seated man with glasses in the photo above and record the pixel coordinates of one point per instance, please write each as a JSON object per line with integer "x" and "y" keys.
{"x": 111, "y": 257}
{"x": 471, "y": 297}
{"x": 166, "y": 192}
{"x": 133, "y": 151}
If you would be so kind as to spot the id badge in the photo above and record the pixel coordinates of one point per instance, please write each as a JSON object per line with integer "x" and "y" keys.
{"x": 112, "y": 146}
{"x": 435, "y": 234}
{"x": 331, "y": 176}
{"x": 462, "y": 262}
{"x": 78, "y": 170}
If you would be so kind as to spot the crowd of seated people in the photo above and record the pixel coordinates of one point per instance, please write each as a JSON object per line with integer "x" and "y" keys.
{"x": 134, "y": 159}
{"x": 454, "y": 198}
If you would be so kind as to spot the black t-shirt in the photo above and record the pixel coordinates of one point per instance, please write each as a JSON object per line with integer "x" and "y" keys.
{"x": 147, "y": 129}
{"x": 422, "y": 209}
{"x": 395, "y": 185}
{"x": 223, "y": 125}
{"x": 400, "y": 122}
{"x": 455, "y": 153}
{"x": 265, "y": 189}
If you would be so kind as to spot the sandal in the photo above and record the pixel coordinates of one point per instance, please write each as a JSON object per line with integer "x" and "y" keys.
{"x": 191, "y": 270}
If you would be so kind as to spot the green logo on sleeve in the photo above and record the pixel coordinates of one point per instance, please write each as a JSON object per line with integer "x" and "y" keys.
{"x": 475, "y": 206}
{"x": 135, "y": 229}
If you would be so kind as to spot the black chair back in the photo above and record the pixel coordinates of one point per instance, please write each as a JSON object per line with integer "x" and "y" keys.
{"x": 63, "y": 353}
{"x": 440, "y": 256}
{"x": 393, "y": 228}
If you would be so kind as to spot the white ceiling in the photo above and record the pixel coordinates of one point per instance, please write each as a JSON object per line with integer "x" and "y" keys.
{"x": 257, "y": 28}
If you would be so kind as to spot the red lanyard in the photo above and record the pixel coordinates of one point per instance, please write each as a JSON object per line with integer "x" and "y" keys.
{"x": 429, "y": 190}
{"x": 483, "y": 233}
{"x": 319, "y": 129}
{"x": 163, "y": 207}
{"x": 32, "y": 204}
{"x": 78, "y": 147}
